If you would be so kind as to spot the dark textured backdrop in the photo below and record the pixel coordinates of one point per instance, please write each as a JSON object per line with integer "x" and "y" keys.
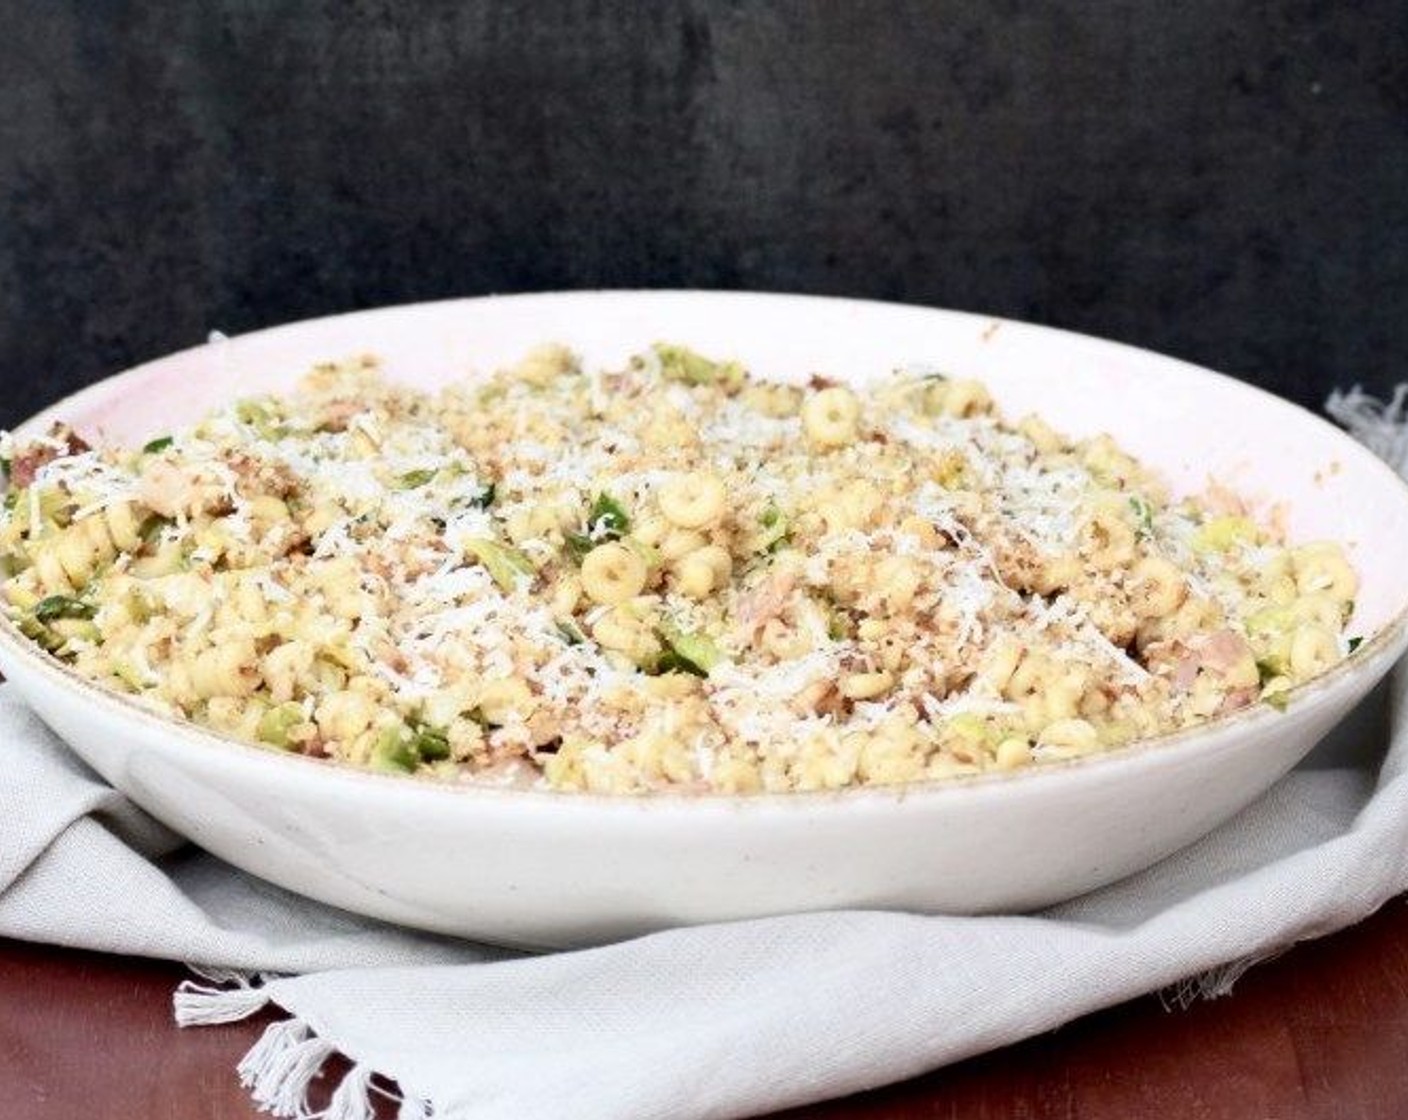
{"x": 1225, "y": 181}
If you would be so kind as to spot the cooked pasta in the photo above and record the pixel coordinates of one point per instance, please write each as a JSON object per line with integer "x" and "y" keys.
{"x": 670, "y": 576}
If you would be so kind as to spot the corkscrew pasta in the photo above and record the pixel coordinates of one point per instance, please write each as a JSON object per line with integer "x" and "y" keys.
{"x": 669, "y": 576}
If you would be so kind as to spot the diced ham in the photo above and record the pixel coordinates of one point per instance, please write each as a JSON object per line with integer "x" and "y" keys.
{"x": 1219, "y": 653}
{"x": 764, "y": 603}
{"x": 61, "y": 443}
{"x": 1185, "y": 672}
{"x": 1223, "y": 650}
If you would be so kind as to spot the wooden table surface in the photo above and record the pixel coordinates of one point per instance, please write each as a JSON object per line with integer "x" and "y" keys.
{"x": 1322, "y": 1031}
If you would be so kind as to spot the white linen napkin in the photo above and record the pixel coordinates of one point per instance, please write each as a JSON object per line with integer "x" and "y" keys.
{"x": 719, "y": 1021}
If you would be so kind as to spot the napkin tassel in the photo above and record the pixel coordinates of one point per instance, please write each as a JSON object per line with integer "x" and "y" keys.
{"x": 280, "y": 1069}
{"x": 229, "y": 997}
{"x": 352, "y": 1099}
{"x": 281, "y": 1066}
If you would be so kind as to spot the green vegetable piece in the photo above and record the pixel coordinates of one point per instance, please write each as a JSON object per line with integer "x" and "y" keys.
{"x": 688, "y": 652}
{"x": 250, "y": 412}
{"x": 672, "y": 662}
{"x": 838, "y": 626}
{"x": 394, "y": 750}
{"x": 775, "y": 529}
{"x": 259, "y": 416}
{"x": 1144, "y": 517}
{"x": 158, "y": 445}
{"x": 578, "y": 545}
{"x": 680, "y": 363}
{"x": 1275, "y": 686}
{"x": 139, "y": 606}
{"x": 1354, "y": 643}
{"x": 74, "y": 630}
{"x": 431, "y": 743}
{"x": 968, "y": 725}
{"x": 38, "y": 632}
{"x": 1223, "y": 533}
{"x": 506, "y": 566}
{"x": 485, "y": 498}
{"x": 607, "y": 520}
{"x": 62, "y": 606}
{"x": 570, "y": 634}
{"x": 127, "y": 673}
{"x": 1270, "y": 667}
{"x": 412, "y": 480}
{"x": 54, "y": 508}
{"x": 1270, "y": 622}
{"x": 151, "y": 528}
{"x": 275, "y": 724}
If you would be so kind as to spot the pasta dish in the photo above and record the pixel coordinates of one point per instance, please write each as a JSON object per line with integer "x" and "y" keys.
{"x": 674, "y": 575}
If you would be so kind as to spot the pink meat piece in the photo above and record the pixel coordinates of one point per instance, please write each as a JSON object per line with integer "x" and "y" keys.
{"x": 764, "y": 603}
{"x": 25, "y": 465}
{"x": 1223, "y": 650}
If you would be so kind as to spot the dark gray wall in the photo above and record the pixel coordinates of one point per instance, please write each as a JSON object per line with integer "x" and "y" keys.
{"x": 1224, "y": 181}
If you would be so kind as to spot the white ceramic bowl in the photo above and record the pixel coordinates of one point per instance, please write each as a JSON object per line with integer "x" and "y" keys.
{"x": 542, "y": 868}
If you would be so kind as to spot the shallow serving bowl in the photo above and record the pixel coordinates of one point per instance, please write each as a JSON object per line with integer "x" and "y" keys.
{"x": 545, "y": 868}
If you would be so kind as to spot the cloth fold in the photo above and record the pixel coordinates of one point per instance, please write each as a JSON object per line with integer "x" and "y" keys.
{"x": 719, "y": 1021}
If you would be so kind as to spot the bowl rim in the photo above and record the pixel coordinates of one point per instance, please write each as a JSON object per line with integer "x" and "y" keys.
{"x": 1377, "y": 649}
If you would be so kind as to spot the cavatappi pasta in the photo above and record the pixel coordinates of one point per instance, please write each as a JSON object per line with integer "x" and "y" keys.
{"x": 668, "y": 576}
